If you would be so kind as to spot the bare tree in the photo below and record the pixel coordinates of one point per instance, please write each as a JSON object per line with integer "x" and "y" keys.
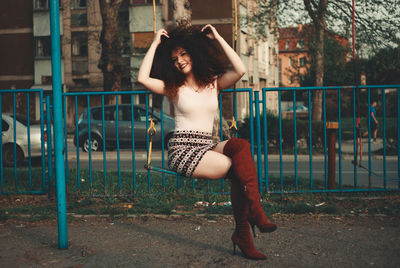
{"x": 377, "y": 24}
{"x": 111, "y": 62}
{"x": 317, "y": 12}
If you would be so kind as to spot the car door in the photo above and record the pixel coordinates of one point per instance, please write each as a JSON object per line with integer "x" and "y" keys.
{"x": 140, "y": 125}
{"x": 125, "y": 126}
{"x": 110, "y": 126}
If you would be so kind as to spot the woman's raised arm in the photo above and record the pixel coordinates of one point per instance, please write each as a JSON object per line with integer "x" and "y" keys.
{"x": 230, "y": 77}
{"x": 153, "y": 84}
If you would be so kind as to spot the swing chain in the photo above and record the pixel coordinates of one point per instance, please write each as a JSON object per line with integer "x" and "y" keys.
{"x": 151, "y": 131}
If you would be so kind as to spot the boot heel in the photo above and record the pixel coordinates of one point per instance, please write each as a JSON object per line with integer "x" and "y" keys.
{"x": 234, "y": 248}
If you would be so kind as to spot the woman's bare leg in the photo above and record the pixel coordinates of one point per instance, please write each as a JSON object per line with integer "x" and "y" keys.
{"x": 214, "y": 164}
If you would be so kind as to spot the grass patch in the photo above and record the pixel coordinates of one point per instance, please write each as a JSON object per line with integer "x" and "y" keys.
{"x": 90, "y": 196}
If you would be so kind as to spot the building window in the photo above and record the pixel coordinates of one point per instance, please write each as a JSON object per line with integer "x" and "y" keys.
{"x": 47, "y": 80}
{"x": 42, "y": 46}
{"x": 300, "y": 43}
{"x": 287, "y": 46}
{"x": 303, "y": 61}
{"x": 80, "y": 67}
{"x": 79, "y": 44}
{"x": 292, "y": 61}
{"x": 76, "y": 4}
{"x": 41, "y": 4}
{"x": 78, "y": 20}
{"x": 81, "y": 82}
{"x": 291, "y": 79}
{"x": 143, "y": 2}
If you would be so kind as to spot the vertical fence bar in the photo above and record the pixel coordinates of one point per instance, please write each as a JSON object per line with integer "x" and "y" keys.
{"x": 295, "y": 139}
{"x": 42, "y": 142}
{"x": 325, "y": 139}
{"x": 384, "y": 137}
{"x": 49, "y": 143}
{"x": 78, "y": 175}
{"x": 258, "y": 135}
{"x": 15, "y": 142}
{"x": 310, "y": 138}
{"x": 65, "y": 138}
{"x": 221, "y": 132}
{"x": 251, "y": 107}
{"x": 29, "y": 139}
{"x": 251, "y": 117}
{"x": 133, "y": 145}
{"x": 89, "y": 115}
{"x": 162, "y": 143}
{"x": 1, "y": 146}
{"x": 340, "y": 136}
{"x": 57, "y": 99}
{"x": 280, "y": 139}
{"x": 369, "y": 137}
{"x": 265, "y": 126}
{"x": 103, "y": 129}
{"x": 398, "y": 136}
{"x": 355, "y": 139}
{"x": 178, "y": 181}
{"x": 148, "y": 140}
{"x": 118, "y": 149}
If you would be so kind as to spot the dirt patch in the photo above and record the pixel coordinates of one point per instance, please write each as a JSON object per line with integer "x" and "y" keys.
{"x": 183, "y": 241}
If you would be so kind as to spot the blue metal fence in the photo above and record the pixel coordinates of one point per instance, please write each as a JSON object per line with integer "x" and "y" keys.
{"x": 283, "y": 166}
{"x": 19, "y": 144}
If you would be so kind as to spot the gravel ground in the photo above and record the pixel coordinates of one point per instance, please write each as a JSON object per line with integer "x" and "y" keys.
{"x": 151, "y": 241}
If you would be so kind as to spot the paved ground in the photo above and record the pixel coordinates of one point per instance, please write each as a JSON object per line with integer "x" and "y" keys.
{"x": 300, "y": 241}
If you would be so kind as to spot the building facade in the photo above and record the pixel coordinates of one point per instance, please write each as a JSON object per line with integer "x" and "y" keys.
{"x": 295, "y": 54}
{"x": 29, "y": 62}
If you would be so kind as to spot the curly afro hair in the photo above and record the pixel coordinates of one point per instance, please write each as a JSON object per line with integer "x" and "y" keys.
{"x": 208, "y": 61}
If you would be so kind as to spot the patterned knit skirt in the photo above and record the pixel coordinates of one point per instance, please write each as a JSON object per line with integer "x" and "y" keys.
{"x": 186, "y": 148}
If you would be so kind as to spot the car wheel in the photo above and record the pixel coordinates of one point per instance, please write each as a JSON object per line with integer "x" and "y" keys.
{"x": 96, "y": 144}
{"x": 8, "y": 155}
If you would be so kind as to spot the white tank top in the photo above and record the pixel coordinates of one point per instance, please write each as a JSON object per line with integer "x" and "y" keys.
{"x": 196, "y": 110}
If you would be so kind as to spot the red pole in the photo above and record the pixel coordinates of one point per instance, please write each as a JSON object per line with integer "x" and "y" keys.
{"x": 354, "y": 32}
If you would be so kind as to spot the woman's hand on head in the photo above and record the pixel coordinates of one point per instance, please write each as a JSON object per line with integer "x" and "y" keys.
{"x": 158, "y": 36}
{"x": 210, "y": 31}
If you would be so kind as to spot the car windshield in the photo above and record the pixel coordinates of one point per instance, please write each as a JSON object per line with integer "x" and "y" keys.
{"x": 24, "y": 120}
{"x": 123, "y": 115}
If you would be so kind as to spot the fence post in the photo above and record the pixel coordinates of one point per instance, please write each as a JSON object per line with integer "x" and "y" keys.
{"x": 58, "y": 127}
{"x": 331, "y": 127}
{"x": 258, "y": 137}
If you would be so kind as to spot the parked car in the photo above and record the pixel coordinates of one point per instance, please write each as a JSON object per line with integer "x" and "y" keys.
{"x": 298, "y": 108}
{"x": 124, "y": 127}
{"x": 22, "y": 150}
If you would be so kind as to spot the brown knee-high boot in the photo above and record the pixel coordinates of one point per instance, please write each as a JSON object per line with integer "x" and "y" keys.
{"x": 245, "y": 172}
{"x": 241, "y": 236}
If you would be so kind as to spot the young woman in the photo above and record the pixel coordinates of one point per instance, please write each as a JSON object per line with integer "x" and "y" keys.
{"x": 186, "y": 66}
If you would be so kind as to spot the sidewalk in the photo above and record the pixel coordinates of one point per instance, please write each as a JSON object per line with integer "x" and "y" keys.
{"x": 300, "y": 241}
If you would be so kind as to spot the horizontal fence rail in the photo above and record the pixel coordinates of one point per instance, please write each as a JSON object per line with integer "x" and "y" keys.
{"x": 106, "y": 143}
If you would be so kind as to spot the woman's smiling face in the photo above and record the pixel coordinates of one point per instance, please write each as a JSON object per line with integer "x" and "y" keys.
{"x": 181, "y": 60}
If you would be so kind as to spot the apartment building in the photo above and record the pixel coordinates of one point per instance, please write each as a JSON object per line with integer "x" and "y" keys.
{"x": 80, "y": 29}
{"x": 16, "y": 53}
{"x": 294, "y": 52}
